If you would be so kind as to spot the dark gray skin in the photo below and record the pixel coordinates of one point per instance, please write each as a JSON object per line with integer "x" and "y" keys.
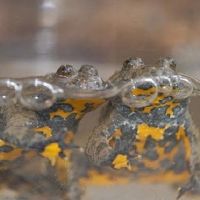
{"x": 117, "y": 115}
{"x": 16, "y": 127}
{"x": 18, "y": 122}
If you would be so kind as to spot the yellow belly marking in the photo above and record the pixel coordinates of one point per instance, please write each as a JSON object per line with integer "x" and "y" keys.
{"x": 46, "y": 131}
{"x": 156, "y": 104}
{"x": 98, "y": 178}
{"x": 12, "y": 155}
{"x": 52, "y": 152}
{"x": 121, "y": 161}
{"x": 2, "y": 143}
{"x": 143, "y": 92}
{"x": 60, "y": 113}
{"x": 145, "y": 130}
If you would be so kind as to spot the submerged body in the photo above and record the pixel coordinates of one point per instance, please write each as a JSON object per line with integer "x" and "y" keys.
{"x": 36, "y": 147}
{"x": 152, "y": 142}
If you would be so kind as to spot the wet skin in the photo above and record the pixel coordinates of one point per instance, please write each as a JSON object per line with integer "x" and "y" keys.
{"x": 43, "y": 140}
{"x": 152, "y": 142}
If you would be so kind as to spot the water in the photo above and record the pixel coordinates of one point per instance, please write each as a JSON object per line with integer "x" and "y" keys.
{"x": 36, "y": 38}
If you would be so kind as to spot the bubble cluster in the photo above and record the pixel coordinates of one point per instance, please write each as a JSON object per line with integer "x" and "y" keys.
{"x": 176, "y": 86}
{"x": 40, "y": 93}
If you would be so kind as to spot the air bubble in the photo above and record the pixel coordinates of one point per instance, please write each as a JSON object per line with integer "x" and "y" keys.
{"x": 37, "y": 95}
{"x": 182, "y": 87}
{"x": 142, "y": 93}
{"x": 164, "y": 84}
{"x": 7, "y": 92}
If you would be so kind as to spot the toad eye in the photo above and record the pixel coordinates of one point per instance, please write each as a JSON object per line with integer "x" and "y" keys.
{"x": 65, "y": 71}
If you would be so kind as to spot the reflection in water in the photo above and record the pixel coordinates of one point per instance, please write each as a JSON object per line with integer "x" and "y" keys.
{"x": 46, "y": 37}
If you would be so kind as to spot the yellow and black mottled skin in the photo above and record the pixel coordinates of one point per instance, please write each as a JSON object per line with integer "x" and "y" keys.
{"x": 58, "y": 125}
{"x": 37, "y": 150}
{"x": 151, "y": 142}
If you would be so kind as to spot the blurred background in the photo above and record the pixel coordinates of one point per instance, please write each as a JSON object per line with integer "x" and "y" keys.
{"x": 98, "y": 32}
{"x": 38, "y": 36}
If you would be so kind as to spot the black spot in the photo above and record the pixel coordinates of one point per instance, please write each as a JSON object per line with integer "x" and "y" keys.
{"x": 151, "y": 155}
{"x": 170, "y": 146}
{"x": 88, "y": 107}
{"x": 60, "y": 125}
{"x": 145, "y": 86}
{"x": 180, "y": 164}
{"x": 144, "y": 169}
{"x": 128, "y": 133}
{"x": 62, "y": 155}
{"x": 60, "y": 105}
{"x": 166, "y": 99}
{"x": 2, "y": 122}
{"x": 66, "y": 107}
{"x": 155, "y": 117}
{"x": 150, "y": 143}
{"x": 166, "y": 164}
{"x": 169, "y": 141}
{"x": 171, "y": 131}
{"x": 6, "y": 148}
{"x": 124, "y": 110}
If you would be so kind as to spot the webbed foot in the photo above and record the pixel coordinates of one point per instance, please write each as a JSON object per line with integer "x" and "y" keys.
{"x": 193, "y": 186}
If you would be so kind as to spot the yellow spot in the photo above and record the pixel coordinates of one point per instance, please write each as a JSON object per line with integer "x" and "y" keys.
{"x": 79, "y": 105}
{"x": 46, "y": 131}
{"x": 117, "y": 133}
{"x": 121, "y": 161}
{"x": 52, "y": 152}
{"x": 2, "y": 143}
{"x": 60, "y": 113}
{"x": 102, "y": 179}
{"x": 145, "y": 130}
{"x": 148, "y": 109}
{"x": 158, "y": 99}
{"x": 171, "y": 105}
{"x": 12, "y": 155}
{"x": 156, "y": 104}
{"x": 147, "y": 92}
